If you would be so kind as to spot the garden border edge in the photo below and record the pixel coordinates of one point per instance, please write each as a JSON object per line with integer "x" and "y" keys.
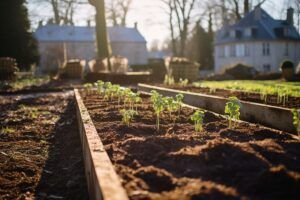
{"x": 102, "y": 179}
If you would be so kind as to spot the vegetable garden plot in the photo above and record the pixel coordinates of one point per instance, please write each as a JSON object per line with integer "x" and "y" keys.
{"x": 271, "y": 116}
{"x": 281, "y": 100}
{"x": 40, "y": 154}
{"x": 178, "y": 162}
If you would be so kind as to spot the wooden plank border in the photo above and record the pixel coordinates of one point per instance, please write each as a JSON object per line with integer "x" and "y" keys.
{"x": 102, "y": 180}
{"x": 271, "y": 116}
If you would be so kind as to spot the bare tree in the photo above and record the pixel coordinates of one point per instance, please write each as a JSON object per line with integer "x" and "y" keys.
{"x": 62, "y": 10}
{"x": 170, "y": 12}
{"x": 118, "y": 11}
{"x": 183, "y": 11}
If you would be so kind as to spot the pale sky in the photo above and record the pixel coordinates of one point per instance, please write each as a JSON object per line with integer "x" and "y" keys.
{"x": 150, "y": 15}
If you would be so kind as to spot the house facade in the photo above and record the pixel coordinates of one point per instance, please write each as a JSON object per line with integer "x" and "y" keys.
{"x": 60, "y": 43}
{"x": 258, "y": 40}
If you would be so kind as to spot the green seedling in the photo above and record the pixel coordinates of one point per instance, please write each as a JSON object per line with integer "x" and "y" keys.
{"x": 120, "y": 94}
{"x": 158, "y": 105}
{"x": 183, "y": 83}
{"x": 296, "y": 119}
{"x": 179, "y": 101}
{"x": 88, "y": 88}
{"x": 127, "y": 95}
{"x": 137, "y": 100}
{"x": 232, "y": 108}
{"x": 107, "y": 91}
{"x": 197, "y": 118}
{"x": 100, "y": 87}
{"x": 171, "y": 106}
{"x": 169, "y": 80}
{"x": 127, "y": 116}
{"x": 7, "y": 130}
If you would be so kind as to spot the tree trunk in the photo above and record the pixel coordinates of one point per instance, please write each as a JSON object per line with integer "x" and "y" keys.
{"x": 246, "y": 7}
{"x": 55, "y": 11}
{"x": 103, "y": 46}
{"x": 174, "y": 49}
{"x": 237, "y": 10}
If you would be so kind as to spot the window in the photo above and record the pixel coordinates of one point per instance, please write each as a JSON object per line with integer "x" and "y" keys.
{"x": 286, "y": 49}
{"x": 232, "y": 51}
{"x": 240, "y": 50}
{"x": 221, "y": 52}
{"x": 248, "y": 32}
{"x": 227, "y": 50}
{"x": 266, "y": 67}
{"x": 247, "y": 50}
{"x": 266, "y": 49}
{"x": 232, "y": 33}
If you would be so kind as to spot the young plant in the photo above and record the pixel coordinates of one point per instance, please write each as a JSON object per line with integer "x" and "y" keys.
{"x": 171, "y": 106}
{"x": 127, "y": 116}
{"x": 137, "y": 100}
{"x": 158, "y": 105}
{"x": 197, "y": 118}
{"x": 179, "y": 102}
{"x": 183, "y": 83}
{"x": 296, "y": 119}
{"x": 100, "y": 87}
{"x": 232, "y": 108}
{"x": 88, "y": 88}
{"x": 120, "y": 94}
{"x": 169, "y": 80}
{"x": 107, "y": 92}
{"x": 126, "y": 95}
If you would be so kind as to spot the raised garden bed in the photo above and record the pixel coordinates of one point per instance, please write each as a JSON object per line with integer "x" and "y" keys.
{"x": 275, "y": 117}
{"x": 292, "y": 102}
{"x": 249, "y": 161}
{"x": 40, "y": 153}
{"x": 36, "y": 85}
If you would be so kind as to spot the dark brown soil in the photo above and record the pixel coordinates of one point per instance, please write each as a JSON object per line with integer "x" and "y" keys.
{"x": 248, "y": 162}
{"x": 293, "y": 102}
{"x": 40, "y": 151}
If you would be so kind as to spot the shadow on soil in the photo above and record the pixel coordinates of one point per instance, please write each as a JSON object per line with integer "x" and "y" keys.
{"x": 63, "y": 175}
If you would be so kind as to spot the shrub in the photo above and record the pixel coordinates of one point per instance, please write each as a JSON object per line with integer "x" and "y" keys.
{"x": 287, "y": 65}
{"x": 8, "y": 69}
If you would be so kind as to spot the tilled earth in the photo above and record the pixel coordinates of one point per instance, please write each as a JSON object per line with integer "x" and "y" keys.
{"x": 247, "y": 162}
{"x": 40, "y": 151}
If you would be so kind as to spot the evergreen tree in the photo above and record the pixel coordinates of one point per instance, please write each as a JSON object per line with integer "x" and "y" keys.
{"x": 16, "y": 40}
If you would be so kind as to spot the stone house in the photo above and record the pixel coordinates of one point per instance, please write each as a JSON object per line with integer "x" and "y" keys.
{"x": 258, "y": 40}
{"x": 58, "y": 43}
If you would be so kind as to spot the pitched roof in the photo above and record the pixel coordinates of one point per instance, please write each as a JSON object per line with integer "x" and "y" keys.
{"x": 265, "y": 27}
{"x": 68, "y": 33}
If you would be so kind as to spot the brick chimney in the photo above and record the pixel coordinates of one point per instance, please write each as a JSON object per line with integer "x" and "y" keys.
{"x": 257, "y": 13}
{"x": 290, "y": 16}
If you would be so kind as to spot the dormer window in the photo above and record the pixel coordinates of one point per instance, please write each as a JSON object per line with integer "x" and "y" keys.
{"x": 248, "y": 32}
{"x": 232, "y": 33}
{"x": 238, "y": 33}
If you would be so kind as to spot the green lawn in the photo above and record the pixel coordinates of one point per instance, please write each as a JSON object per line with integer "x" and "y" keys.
{"x": 276, "y": 87}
